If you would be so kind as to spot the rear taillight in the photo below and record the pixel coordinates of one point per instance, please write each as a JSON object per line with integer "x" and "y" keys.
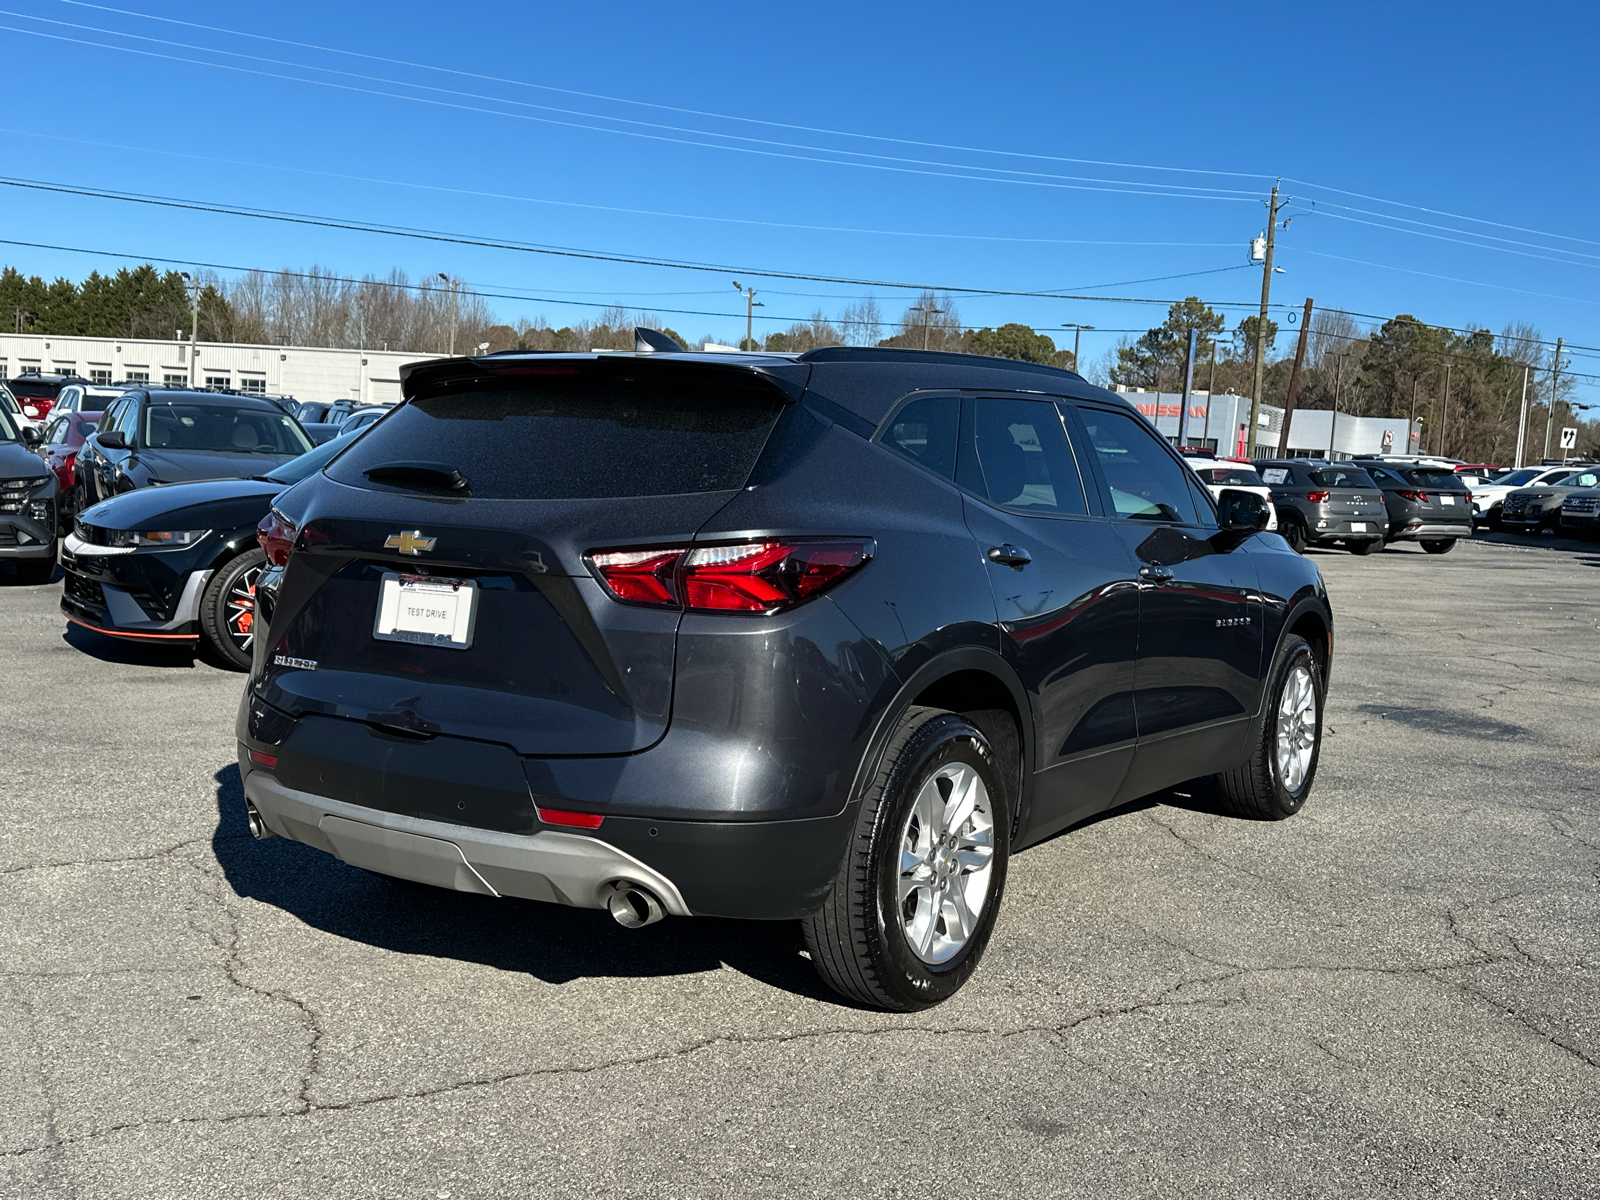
{"x": 276, "y": 536}
{"x": 1467, "y": 496}
{"x": 1420, "y": 497}
{"x": 1318, "y": 497}
{"x": 753, "y": 577}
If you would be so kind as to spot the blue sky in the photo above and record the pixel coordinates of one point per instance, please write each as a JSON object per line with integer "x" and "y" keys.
{"x": 976, "y": 115}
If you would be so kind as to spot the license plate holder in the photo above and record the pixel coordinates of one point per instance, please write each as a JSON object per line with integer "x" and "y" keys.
{"x": 1358, "y": 526}
{"x": 426, "y": 610}
{"x": 1447, "y": 500}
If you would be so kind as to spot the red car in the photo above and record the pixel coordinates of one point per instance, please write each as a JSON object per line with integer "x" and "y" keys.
{"x": 37, "y": 393}
{"x": 63, "y": 438}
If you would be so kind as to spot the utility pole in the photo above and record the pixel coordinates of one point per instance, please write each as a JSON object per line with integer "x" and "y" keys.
{"x": 1412, "y": 419}
{"x": 1077, "y": 331}
{"x": 1522, "y": 422}
{"x": 750, "y": 306}
{"x": 1550, "y": 410}
{"x": 929, "y": 312}
{"x": 1338, "y": 383}
{"x": 1211, "y": 392}
{"x": 1188, "y": 390}
{"x": 1261, "y": 328}
{"x": 1294, "y": 380}
{"x": 1444, "y": 415}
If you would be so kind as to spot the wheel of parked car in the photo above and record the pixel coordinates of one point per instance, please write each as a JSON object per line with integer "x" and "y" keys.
{"x": 1364, "y": 547}
{"x": 1294, "y": 533}
{"x": 1441, "y": 546}
{"x": 228, "y": 608}
{"x": 1274, "y": 783}
{"x": 914, "y": 901}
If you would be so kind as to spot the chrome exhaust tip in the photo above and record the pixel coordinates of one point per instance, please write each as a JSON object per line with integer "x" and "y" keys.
{"x": 258, "y": 827}
{"x": 632, "y": 906}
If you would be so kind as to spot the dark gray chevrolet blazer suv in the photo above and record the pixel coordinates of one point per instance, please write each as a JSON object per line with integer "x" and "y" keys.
{"x": 824, "y": 638}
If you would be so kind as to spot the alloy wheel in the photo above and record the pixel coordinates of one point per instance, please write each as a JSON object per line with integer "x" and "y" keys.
{"x": 946, "y": 860}
{"x": 240, "y": 616}
{"x": 1297, "y": 727}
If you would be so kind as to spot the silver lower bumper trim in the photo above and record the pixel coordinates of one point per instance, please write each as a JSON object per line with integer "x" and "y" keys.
{"x": 560, "y": 868}
{"x": 1436, "y": 531}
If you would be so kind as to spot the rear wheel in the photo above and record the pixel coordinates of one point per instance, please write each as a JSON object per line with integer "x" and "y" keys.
{"x": 1364, "y": 547}
{"x": 1440, "y": 546}
{"x": 914, "y": 902}
{"x": 228, "y": 608}
{"x": 1275, "y": 781}
{"x": 1294, "y": 532}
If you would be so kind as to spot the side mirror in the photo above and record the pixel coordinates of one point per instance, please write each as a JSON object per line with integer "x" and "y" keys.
{"x": 112, "y": 439}
{"x": 31, "y": 437}
{"x": 1242, "y": 512}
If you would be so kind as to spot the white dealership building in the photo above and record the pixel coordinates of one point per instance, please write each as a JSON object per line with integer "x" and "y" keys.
{"x": 303, "y": 372}
{"x": 1220, "y": 423}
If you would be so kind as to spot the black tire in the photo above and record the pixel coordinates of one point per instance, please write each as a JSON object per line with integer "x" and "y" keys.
{"x": 1256, "y": 788}
{"x": 227, "y": 609}
{"x": 34, "y": 571}
{"x": 1293, "y": 531}
{"x": 1364, "y": 547}
{"x": 1439, "y": 546}
{"x": 857, "y": 939}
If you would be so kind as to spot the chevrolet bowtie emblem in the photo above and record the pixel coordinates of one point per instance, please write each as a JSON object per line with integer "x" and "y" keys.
{"x": 410, "y": 542}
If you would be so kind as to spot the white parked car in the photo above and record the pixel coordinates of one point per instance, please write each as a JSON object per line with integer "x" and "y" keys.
{"x": 1488, "y": 497}
{"x": 1219, "y": 473}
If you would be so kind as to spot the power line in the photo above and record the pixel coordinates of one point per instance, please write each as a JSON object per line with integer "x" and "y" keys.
{"x": 963, "y": 172}
{"x": 668, "y": 107}
{"x": 642, "y": 212}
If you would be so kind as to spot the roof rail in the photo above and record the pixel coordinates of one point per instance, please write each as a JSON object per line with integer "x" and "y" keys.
{"x": 892, "y": 354}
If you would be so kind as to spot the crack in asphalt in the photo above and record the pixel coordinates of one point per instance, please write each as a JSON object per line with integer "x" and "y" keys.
{"x": 149, "y": 856}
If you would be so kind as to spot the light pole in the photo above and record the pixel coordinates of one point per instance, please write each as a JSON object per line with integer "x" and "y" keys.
{"x": 455, "y": 311}
{"x": 1338, "y": 382}
{"x": 750, "y": 306}
{"x": 1077, "y": 331}
{"x": 193, "y": 288}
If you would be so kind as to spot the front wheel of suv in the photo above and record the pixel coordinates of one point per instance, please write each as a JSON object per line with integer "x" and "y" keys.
{"x": 1439, "y": 546}
{"x": 1275, "y": 781}
{"x": 228, "y": 608}
{"x": 914, "y": 901}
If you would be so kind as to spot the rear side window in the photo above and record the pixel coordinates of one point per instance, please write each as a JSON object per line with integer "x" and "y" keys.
{"x": 1342, "y": 477}
{"x": 925, "y": 430}
{"x": 1230, "y": 476}
{"x": 1147, "y": 483}
{"x": 576, "y": 440}
{"x": 1024, "y": 462}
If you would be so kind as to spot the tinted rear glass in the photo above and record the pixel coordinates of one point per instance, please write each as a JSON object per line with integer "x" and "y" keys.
{"x": 1230, "y": 476}
{"x": 1342, "y": 477}
{"x": 575, "y": 440}
{"x": 34, "y": 387}
{"x": 1432, "y": 477}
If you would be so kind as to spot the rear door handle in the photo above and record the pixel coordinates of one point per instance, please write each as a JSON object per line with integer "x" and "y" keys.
{"x": 1011, "y": 556}
{"x": 1155, "y": 574}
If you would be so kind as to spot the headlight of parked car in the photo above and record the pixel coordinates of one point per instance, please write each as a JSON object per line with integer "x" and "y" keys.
{"x": 160, "y": 539}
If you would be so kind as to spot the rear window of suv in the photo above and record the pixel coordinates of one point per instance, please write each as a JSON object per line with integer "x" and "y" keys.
{"x": 1432, "y": 477}
{"x": 1230, "y": 476}
{"x": 1342, "y": 477}
{"x": 575, "y": 440}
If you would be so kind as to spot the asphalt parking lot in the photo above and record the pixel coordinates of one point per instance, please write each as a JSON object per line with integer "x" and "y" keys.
{"x": 1396, "y": 992}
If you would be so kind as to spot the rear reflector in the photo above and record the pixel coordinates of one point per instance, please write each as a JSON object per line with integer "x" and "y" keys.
{"x": 262, "y": 759}
{"x": 753, "y": 577}
{"x": 577, "y": 820}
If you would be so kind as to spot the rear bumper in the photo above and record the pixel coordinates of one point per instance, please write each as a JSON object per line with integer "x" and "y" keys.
{"x": 770, "y": 870}
{"x": 1329, "y": 529}
{"x": 1413, "y": 531}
